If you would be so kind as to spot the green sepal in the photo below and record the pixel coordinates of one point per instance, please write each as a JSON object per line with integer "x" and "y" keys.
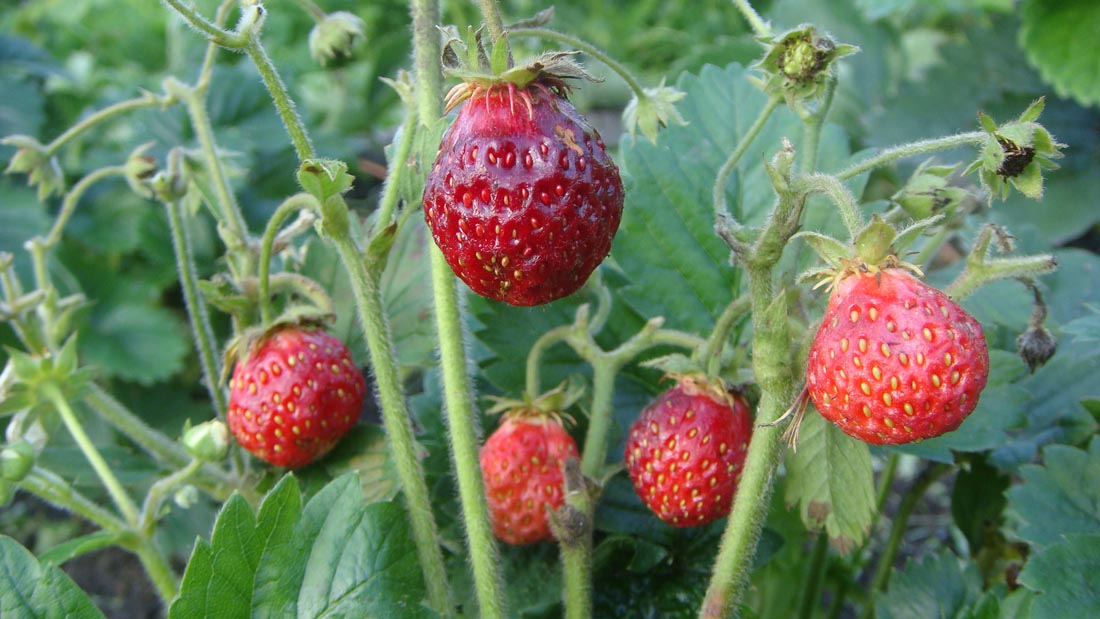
{"x": 222, "y": 294}
{"x": 16, "y": 460}
{"x": 501, "y": 56}
{"x": 324, "y": 178}
{"x": 875, "y": 241}
{"x": 829, "y": 249}
{"x": 906, "y": 237}
{"x": 674, "y": 363}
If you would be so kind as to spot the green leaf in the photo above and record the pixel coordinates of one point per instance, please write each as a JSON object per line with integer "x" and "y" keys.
{"x": 342, "y": 558}
{"x": 1053, "y": 33}
{"x": 363, "y": 450}
{"x": 135, "y": 342}
{"x": 939, "y": 586}
{"x": 30, "y": 589}
{"x": 220, "y": 575}
{"x": 1066, "y": 577}
{"x": 829, "y": 476}
{"x": 79, "y": 546}
{"x": 1060, "y": 497}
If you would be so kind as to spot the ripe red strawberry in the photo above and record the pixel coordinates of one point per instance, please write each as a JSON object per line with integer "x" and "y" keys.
{"x": 522, "y": 465}
{"x": 294, "y": 396}
{"x": 895, "y": 360}
{"x": 685, "y": 451}
{"x": 523, "y": 199}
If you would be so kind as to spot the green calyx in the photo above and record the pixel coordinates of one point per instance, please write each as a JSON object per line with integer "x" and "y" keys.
{"x": 798, "y": 63}
{"x": 929, "y": 192}
{"x": 26, "y": 378}
{"x": 552, "y": 403}
{"x": 483, "y": 70}
{"x": 1015, "y": 154}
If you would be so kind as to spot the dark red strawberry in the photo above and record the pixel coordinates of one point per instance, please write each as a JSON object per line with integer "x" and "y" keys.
{"x": 522, "y": 464}
{"x": 523, "y": 199}
{"x": 685, "y": 451}
{"x": 294, "y": 396}
{"x": 895, "y": 360}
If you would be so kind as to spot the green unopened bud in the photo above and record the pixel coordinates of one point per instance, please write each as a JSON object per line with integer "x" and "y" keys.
{"x": 171, "y": 183}
{"x": 186, "y": 496}
{"x": 32, "y": 159}
{"x": 799, "y": 63}
{"x": 207, "y": 441}
{"x": 140, "y": 167}
{"x": 16, "y": 460}
{"x": 334, "y": 39}
{"x": 929, "y": 192}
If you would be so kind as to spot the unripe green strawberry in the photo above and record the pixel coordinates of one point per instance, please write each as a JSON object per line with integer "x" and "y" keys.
{"x": 685, "y": 452}
{"x": 895, "y": 360}
{"x": 523, "y": 199}
{"x": 294, "y": 396}
{"x": 522, "y": 464}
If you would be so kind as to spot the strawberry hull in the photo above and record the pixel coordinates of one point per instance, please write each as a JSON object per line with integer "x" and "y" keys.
{"x": 523, "y": 199}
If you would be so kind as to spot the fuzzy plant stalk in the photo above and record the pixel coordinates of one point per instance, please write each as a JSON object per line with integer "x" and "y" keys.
{"x": 457, "y": 391}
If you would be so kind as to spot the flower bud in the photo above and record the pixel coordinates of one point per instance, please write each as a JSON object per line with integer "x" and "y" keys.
{"x": 929, "y": 192}
{"x": 1036, "y": 346}
{"x": 207, "y": 441}
{"x": 16, "y": 460}
{"x": 335, "y": 37}
{"x": 41, "y": 169}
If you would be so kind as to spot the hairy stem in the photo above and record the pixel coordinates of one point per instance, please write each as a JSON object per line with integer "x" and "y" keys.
{"x": 759, "y": 26}
{"x": 490, "y": 12}
{"x": 68, "y": 204}
{"x": 196, "y": 308}
{"x": 534, "y": 356}
{"x": 213, "y": 33}
{"x": 158, "y": 492}
{"x": 890, "y": 155}
{"x": 317, "y": 13}
{"x": 391, "y": 193}
{"x": 293, "y": 204}
{"x": 720, "y": 181}
{"x": 59, "y": 492}
{"x": 122, "y": 107}
{"x": 815, "y": 573}
{"x": 811, "y": 130}
{"x": 711, "y": 355}
{"x": 395, "y": 416}
{"x": 156, "y": 566}
{"x": 284, "y": 105}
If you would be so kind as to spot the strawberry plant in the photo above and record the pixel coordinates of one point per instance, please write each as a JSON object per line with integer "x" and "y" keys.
{"x": 284, "y": 287}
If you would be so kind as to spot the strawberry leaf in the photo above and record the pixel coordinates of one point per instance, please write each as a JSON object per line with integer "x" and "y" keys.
{"x": 937, "y": 586}
{"x": 830, "y": 477}
{"x": 1060, "y": 497}
{"x": 29, "y": 588}
{"x": 1066, "y": 578}
{"x": 1052, "y": 33}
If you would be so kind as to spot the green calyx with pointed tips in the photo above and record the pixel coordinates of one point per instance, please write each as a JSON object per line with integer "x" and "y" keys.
{"x": 798, "y": 63}
{"x": 26, "y": 375}
{"x": 552, "y": 403}
{"x": 1015, "y": 154}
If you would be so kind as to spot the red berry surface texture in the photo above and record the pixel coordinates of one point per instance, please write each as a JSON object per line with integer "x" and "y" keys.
{"x": 522, "y": 464}
{"x": 895, "y": 360}
{"x": 685, "y": 452}
{"x": 295, "y": 396}
{"x": 523, "y": 199}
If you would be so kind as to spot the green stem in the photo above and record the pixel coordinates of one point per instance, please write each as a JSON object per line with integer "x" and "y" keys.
{"x": 931, "y": 247}
{"x": 576, "y": 569}
{"x": 811, "y": 588}
{"x": 463, "y": 431}
{"x": 227, "y": 209}
{"x": 811, "y": 134}
{"x": 711, "y": 355}
{"x": 160, "y": 573}
{"x": 840, "y": 195}
{"x": 293, "y": 204}
{"x": 122, "y": 107}
{"x": 47, "y": 485}
{"x": 196, "y": 307}
{"x": 395, "y": 416}
{"x": 150, "y": 509}
{"x": 122, "y": 500}
{"x": 490, "y": 12}
{"x": 457, "y": 392}
{"x": 720, "y": 181}
{"x": 897, "y": 532}
{"x": 203, "y": 81}
{"x": 534, "y": 356}
{"x": 68, "y": 204}
{"x": 573, "y": 42}
{"x": 391, "y": 193}
{"x": 759, "y": 26}
{"x": 976, "y": 276}
{"x": 212, "y": 32}
{"x": 279, "y": 94}
{"x": 153, "y": 442}
{"x": 426, "y": 62}
{"x": 604, "y": 370}
{"x": 922, "y": 147}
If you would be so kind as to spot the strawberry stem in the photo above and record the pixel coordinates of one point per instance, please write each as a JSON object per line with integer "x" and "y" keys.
{"x": 293, "y": 204}
{"x": 890, "y": 155}
{"x": 457, "y": 391}
{"x": 213, "y": 33}
{"x": 711, "y": 353}
{"x": 759, "y": 26}
{"x": 588, "y": 48}
{"x": 722, "y": 179}
{"x": 490, "y": 12}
